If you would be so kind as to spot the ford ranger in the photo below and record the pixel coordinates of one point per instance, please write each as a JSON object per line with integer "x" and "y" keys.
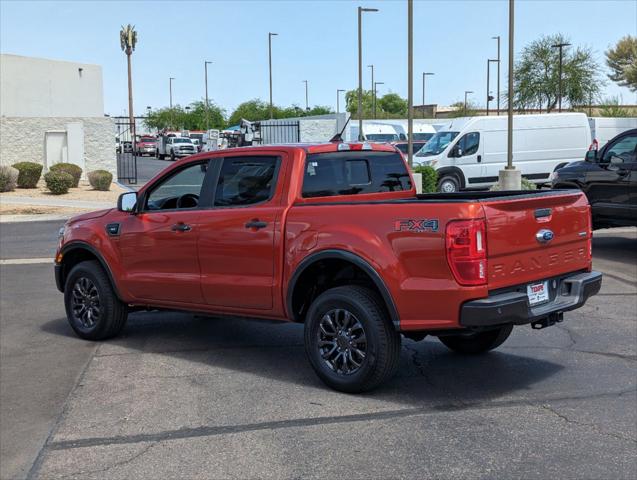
{"x": 335, "y": 237}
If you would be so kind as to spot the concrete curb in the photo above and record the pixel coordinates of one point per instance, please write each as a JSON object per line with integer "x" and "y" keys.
{"x": 35, "y": 218}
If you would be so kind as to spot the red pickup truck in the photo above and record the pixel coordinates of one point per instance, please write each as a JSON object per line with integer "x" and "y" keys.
{"x": 335, "y": 237}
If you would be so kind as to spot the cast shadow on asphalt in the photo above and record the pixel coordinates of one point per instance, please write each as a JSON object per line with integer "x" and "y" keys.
{"x": 428, "y": 372}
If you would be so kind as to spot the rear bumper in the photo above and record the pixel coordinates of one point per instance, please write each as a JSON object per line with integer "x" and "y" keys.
{"x": 513, "y": 307}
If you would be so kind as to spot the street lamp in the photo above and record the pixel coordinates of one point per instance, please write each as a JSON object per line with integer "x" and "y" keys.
{"x": 170, "y": 89}
{"x": 374, "y": 91}
{"x": 561, "y": 47}
{"x": 307, "y": 106}
{"x": 498, "y": 60}
{"x": 270, "y": 35}
{"x": 466, "y": 92}
{"x": 148, "y": 109}
{"x": 373, "y": 94}
{"x": 205, "y": 66}
{"x": 338, "y": 92}
{"x": 424, "y": 74}
{"x": 489, "y": 96}
{"x": 360, "y": 69}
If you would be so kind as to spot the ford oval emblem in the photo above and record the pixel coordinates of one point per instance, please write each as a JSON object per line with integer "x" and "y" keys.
{"x": 544, "y": 236}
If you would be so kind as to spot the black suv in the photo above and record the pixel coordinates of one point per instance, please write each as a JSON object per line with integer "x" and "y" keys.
{"x": 608, "y": 177}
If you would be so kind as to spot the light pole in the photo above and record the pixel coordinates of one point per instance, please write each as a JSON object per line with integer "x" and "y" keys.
{"x": 307, "y": 106}
{"x": 466, "y": 92}
{"x": 338, "y": 93}
{"x": 561, "y": 47}
{"x": 360, "y": 69}
{"x": 498, "y": 93}
{"x": 148, "y": 109}
{"x": 205, "y": 64}
{"x": 170, "y": 89}
{"x": 424, "y": 74}
{"x": 270, "y": 35}
{"x": 410, "y": 82}
{"x": 509, "y": 178}
{"x": 489, "y": 97}
{"x": 374, "y": 92}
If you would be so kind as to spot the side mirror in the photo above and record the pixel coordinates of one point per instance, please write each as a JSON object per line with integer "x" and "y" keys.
{"x": 127, "y": 202}
{"x": 456, "y": 151}
{"x": 591, "y": 156}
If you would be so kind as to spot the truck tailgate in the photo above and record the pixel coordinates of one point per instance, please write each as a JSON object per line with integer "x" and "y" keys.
{"x": 536, "y": 237}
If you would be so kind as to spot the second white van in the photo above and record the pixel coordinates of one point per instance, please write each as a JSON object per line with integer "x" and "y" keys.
{"x": 469, "y": 152}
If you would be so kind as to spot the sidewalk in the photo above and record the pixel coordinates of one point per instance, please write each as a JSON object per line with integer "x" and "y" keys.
{"x": 54, "y": 202}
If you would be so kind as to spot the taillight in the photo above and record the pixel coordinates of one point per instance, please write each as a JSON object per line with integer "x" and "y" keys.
{"x": 467, "y": 251}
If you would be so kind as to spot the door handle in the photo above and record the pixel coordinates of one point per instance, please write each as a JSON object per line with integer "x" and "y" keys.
{"x": 181, "y": 227}
{"x": 479, "y": 158}
{"x": 256, "y": 224}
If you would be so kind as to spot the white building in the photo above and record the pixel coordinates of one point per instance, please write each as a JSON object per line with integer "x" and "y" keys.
{"x": 53, "y": 111}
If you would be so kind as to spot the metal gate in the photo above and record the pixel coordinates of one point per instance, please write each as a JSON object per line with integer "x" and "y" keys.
{"x": 126, "y": 155}
{"x": 280, "y": 131}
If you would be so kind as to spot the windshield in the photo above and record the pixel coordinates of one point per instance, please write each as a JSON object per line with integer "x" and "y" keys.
{"x": 437, "y": 143}
{"x": 423, "y": 137}
{"x": 382, "y": 137}
{"x": 147, "y": 140}
{"x": 182, "y": 140}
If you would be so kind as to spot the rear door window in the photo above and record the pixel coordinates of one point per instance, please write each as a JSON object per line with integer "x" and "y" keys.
{"x": 352, "y": 173}
{"x": 246, "y": 180}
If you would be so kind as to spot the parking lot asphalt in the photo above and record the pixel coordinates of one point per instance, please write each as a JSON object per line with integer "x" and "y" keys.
{"x": 183, "y": 396}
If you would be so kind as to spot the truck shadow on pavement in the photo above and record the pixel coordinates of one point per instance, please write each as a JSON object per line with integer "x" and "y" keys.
{"x": 429, "y": 374}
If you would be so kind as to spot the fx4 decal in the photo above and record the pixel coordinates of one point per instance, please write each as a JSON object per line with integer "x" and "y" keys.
{"x": 416, "y": 225}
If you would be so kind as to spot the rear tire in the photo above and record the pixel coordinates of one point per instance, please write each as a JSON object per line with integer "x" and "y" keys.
{"x": 92, "y": 307}
{"x": 449, "y": 184}
{"x": 350, "y": 341}
{"x": 477, "y": 342}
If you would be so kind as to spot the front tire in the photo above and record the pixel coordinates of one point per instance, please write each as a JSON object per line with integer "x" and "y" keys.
{"x": 477, "y": 342}
{"x": 172, "y": 156}
{"x": 449, "y": 184}
{"x": 349, "y": 341}
{"x": 92, "y": 307}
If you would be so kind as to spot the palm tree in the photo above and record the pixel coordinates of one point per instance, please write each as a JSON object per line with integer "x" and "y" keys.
{"x": 128, "y": 40}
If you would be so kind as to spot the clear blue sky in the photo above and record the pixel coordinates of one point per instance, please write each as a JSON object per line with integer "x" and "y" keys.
{"x": 317, "y": 42}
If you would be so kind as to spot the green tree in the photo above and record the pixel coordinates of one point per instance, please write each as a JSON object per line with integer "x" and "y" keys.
{"x": 459, "y": 109}
{"x": 392, "y": 104}
{"x": 179, "y": 118}
{"x": 611, "y": 107}
{"x": 251, "y": 110}
{"x": 351, "y": 102}
{"x": 536, "y": 82}
{"x": 622, "y": 60}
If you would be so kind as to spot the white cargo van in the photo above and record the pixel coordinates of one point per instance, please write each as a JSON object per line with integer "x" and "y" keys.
{"x": 376, "y": 132}
{"x": 605, "y": 128}
{"x": 469, "y": 152}
{"x": 423, "y": 132}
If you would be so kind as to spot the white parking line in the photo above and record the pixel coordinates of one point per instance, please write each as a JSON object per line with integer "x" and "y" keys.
{"x": 26, "y": 261}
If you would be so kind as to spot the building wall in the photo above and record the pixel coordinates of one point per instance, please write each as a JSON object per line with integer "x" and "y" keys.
{"x": 23, "y": 139}
{"x": 38, "y": 87}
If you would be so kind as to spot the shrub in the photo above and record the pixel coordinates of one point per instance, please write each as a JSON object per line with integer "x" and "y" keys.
{"x": 58, "y": 182}
{"x": 71, "y": 169}
{"x": 8, "y": 178}
{"x": 526, "y": 185}
{"x": 429, "y": 178}
{"x": 29, "y": 174}
{"x": 100, "y": 179}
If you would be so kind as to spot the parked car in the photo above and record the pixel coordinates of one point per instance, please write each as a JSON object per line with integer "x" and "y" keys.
{"x": 177, "y": 147}
{"x": 332, "y": 236}
{"x": 402, "y": 146}
{"x": 469, "y": 152}
{"x": 147, "y": 146}
{"x": 608, "y": 177}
